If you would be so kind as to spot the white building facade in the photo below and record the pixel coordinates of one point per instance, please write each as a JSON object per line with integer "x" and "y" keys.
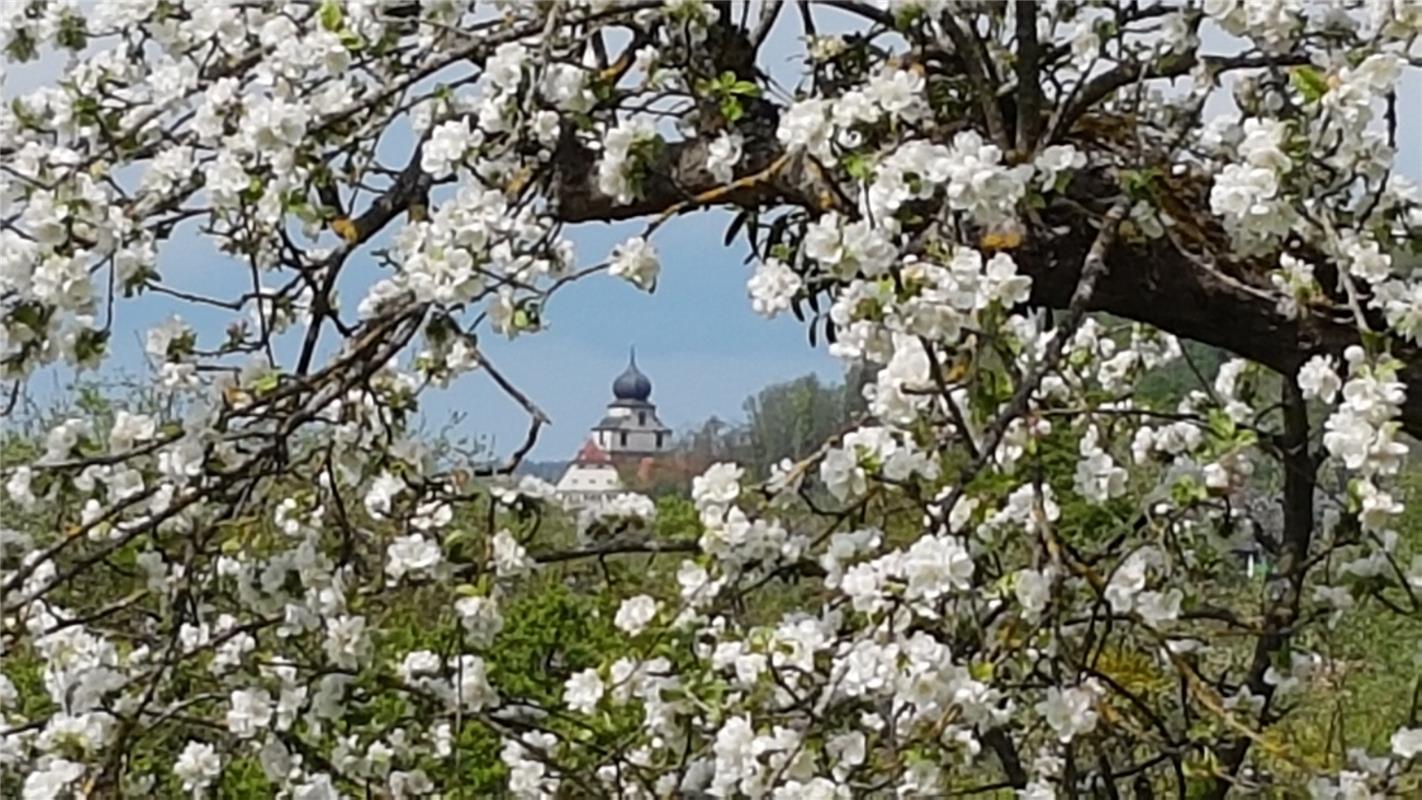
{"x": 590, "y": 478}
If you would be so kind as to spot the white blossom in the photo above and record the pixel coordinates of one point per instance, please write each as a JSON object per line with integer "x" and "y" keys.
{"x": 382, "y": 493}
{"x": 1407, "y": 742}
{"x": 52, "y": 780}
{"x": 621, "y": 157}
{"x": 250, "y": 711}
{"x": 806, "y": 125}
{"x": 197, "y": 766}
{"x": 1318, "y": 379}
{"x": 1070, "y": 712}
{"x": 1057, "y": 160}
{"x": 635, "y": 261}
{"x": 636, "y": 613}
{"x": 583, "y": 691}
{"x": 393, "y": 198}
{"x": 446, "y": 147}
{"x": 510, "y": 557}
{"x": 717, "y": 487}
{"x": 773, "y": 287}
{"x": 410, "y": 555}
{"x": 723, "y": 155}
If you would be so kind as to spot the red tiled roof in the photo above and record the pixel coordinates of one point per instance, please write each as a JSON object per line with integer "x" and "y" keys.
{"x": 592, "y": 454}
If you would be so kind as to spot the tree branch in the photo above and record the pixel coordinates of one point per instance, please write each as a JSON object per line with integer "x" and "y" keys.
{"x": 974, "y": 62}
{"x": 1285, "y": 592}
{"x": 1029, "y": 83}
{"x": 1227, "y": 304}
{"x": 616, "y": 549}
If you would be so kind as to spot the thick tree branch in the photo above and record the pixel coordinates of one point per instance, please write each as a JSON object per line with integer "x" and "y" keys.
{"x": 676, "y": 177}
{"x": 974, "y": 63}
{"x": 1227, "y": 305}
{"x": 1029, "y": 85}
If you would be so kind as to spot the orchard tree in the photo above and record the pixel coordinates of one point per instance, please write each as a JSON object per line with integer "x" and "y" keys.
{"x": 1011, "y": 576}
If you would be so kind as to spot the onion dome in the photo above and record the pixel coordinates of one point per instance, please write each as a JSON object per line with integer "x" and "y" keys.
{"x": 632, "y": 384}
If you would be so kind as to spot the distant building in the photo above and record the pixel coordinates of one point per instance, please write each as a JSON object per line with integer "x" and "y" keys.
{"x": 629, "y": 435}
{"x": 589, "y": 478}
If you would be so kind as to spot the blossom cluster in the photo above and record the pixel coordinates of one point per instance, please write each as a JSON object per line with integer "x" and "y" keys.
{"x": 1056, "y": 552}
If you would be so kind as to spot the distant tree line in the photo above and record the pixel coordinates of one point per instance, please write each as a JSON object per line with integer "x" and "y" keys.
{"x": 793, "y": 418}
{"x": 790, "y": 419}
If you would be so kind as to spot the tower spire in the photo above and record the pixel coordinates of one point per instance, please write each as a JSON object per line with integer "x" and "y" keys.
{"x": 632, "y": 355}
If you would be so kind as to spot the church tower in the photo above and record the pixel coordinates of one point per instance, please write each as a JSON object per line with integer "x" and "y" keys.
{"x": 628, "y": 434}
{"x": 630, "y": 428}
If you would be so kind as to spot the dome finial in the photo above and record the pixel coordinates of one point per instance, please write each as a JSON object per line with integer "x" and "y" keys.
{"x": 632, "y": 355}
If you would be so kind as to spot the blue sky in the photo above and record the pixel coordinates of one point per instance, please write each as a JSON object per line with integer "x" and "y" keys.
{"x": 696, "y": 336}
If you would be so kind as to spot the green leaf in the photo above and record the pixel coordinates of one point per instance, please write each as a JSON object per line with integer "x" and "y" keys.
{"x": 859, "y": 166}
{"x": 1140, "y": 183}
{"x": 22, "y": 113}
{"x": 735, "y": 227}
{"x": 1221, "y": 424}
{"x": 303, "y": 210}
{"x": 267, "y": 382}
{"x": 1186, "y": 491}
{"x": 331, "y": 15}
{"x": 1309, "y": 83}
{"x": 72, "y": 35}
{"x": 21, "y": 47}
{"x": 254, "y": 191}
{"x": 745, "y": 88}
{"x": 31, "y": 315}
{"x": 905, "y": 16}
{"x": 731, "y": 108}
